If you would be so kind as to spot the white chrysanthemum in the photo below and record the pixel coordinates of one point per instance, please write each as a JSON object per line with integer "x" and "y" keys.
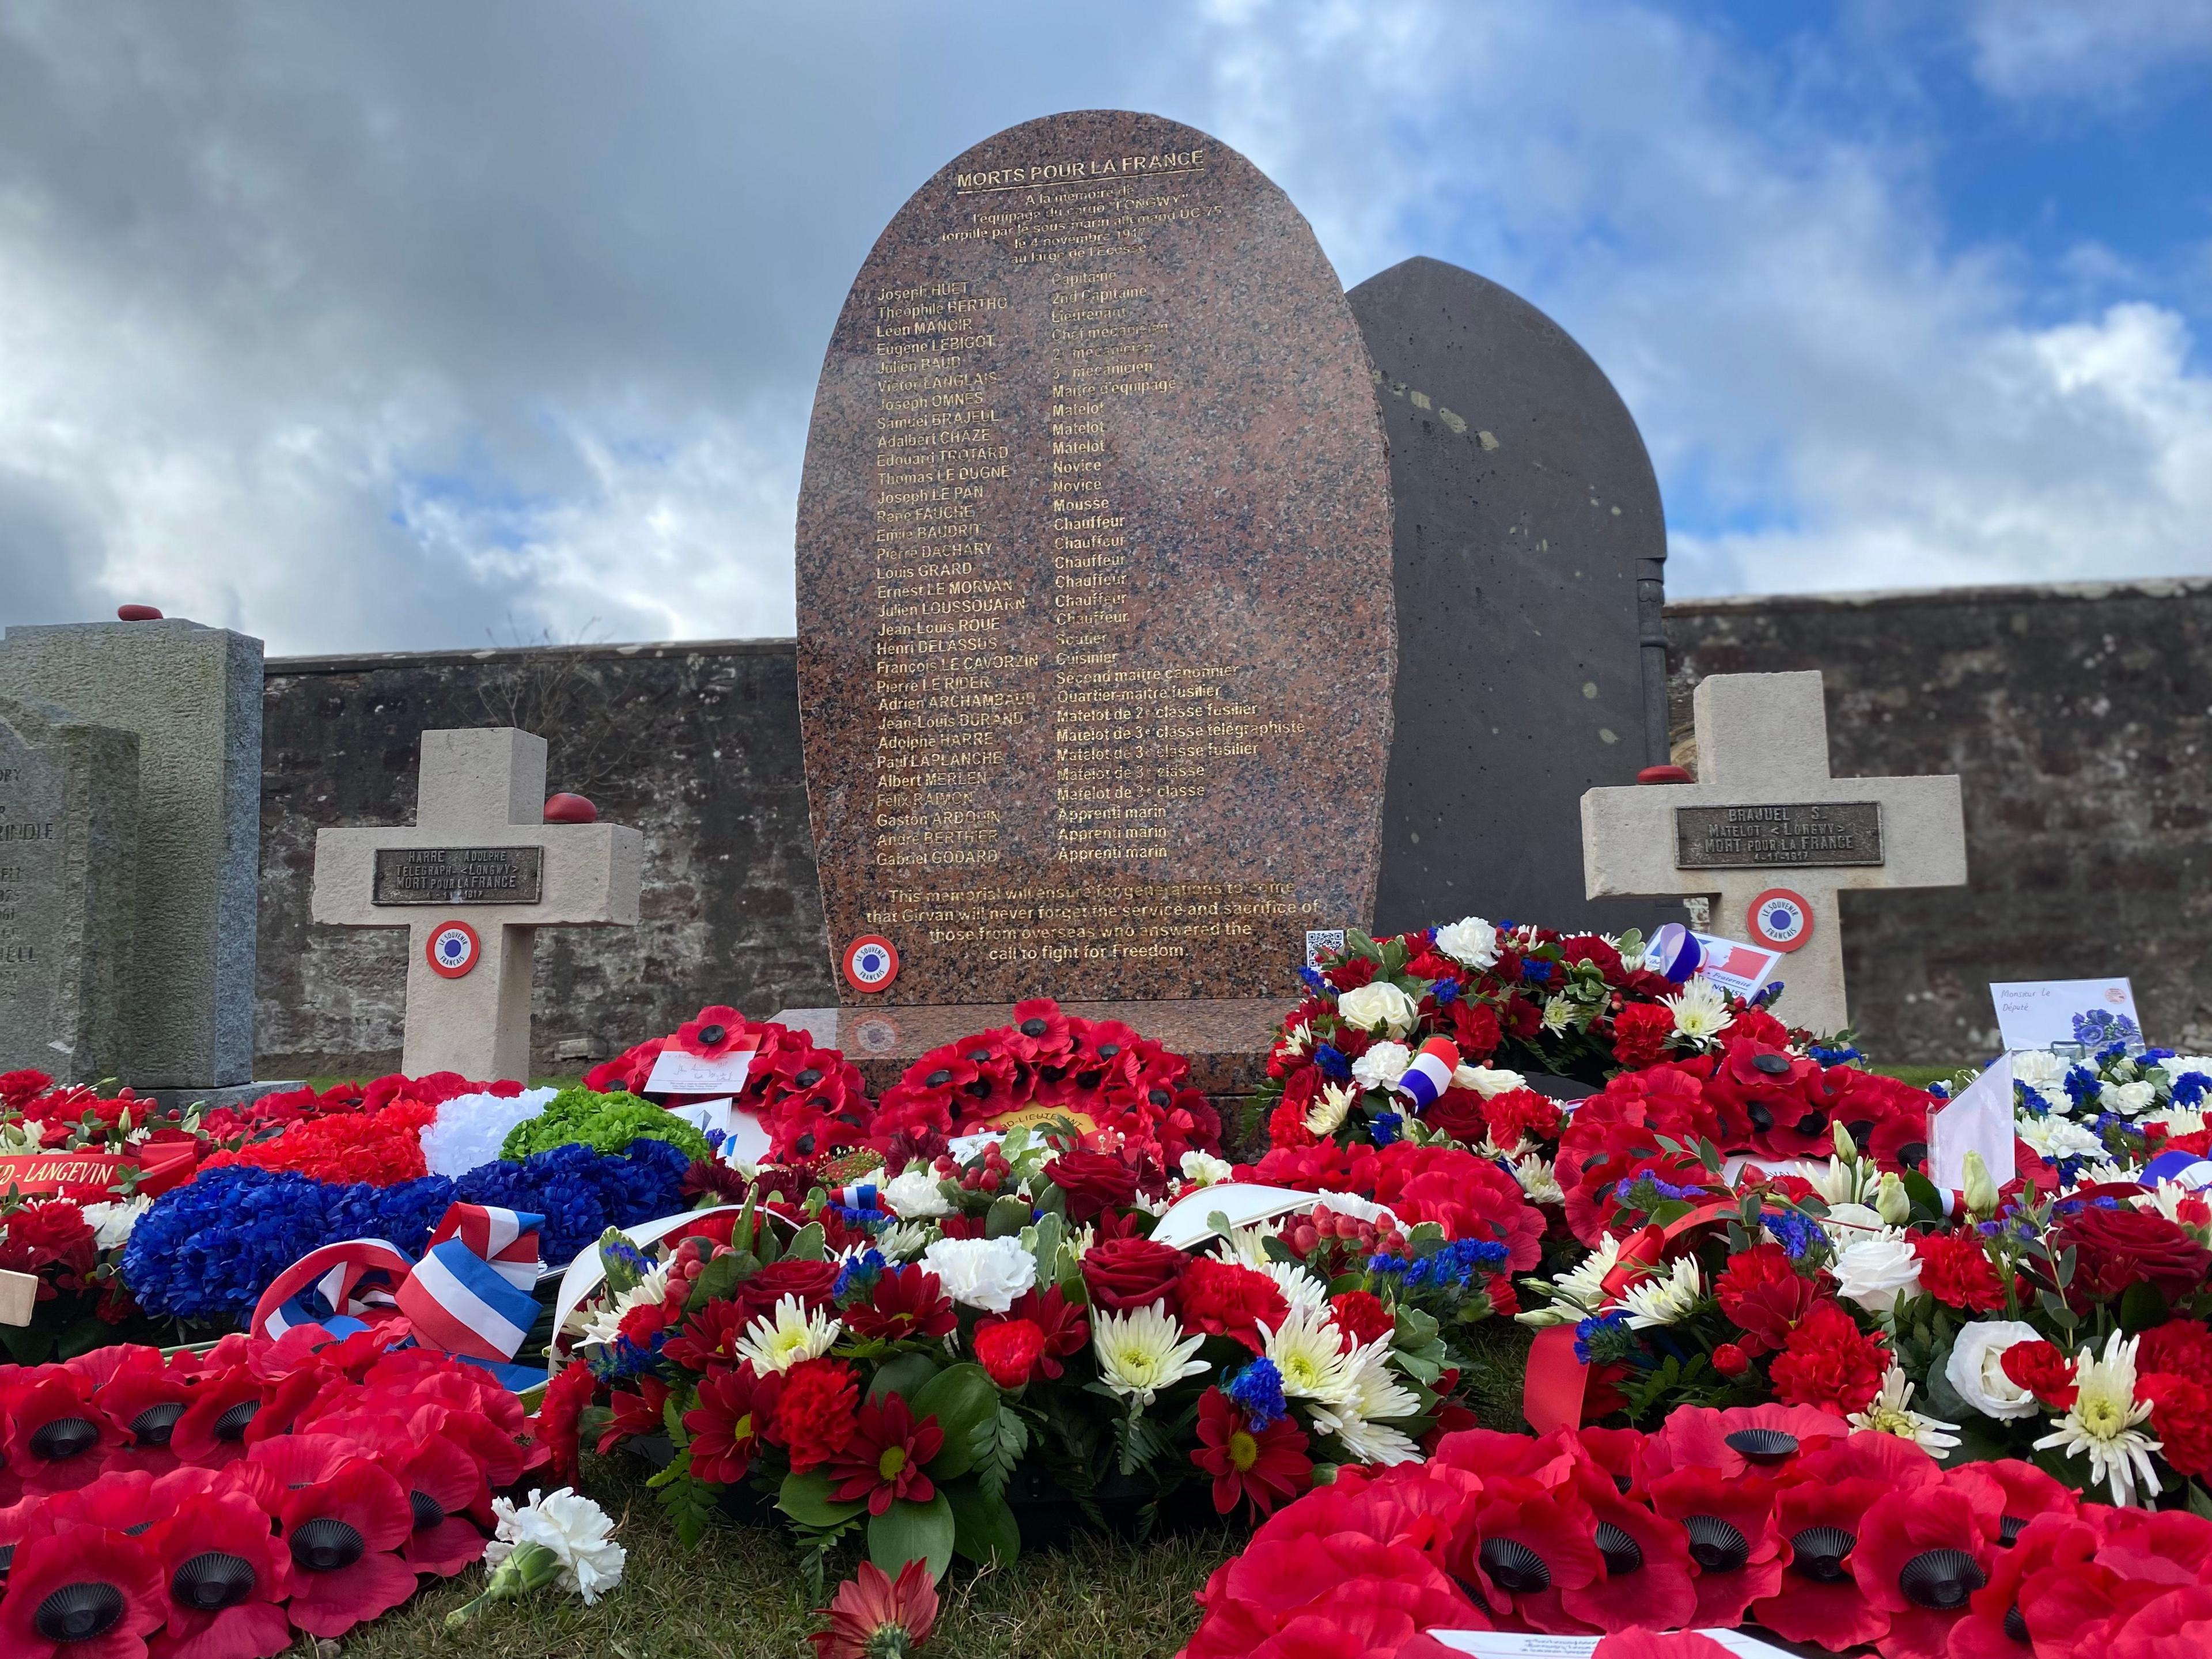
{"x": 1539, "y": 1183}
{"x": 27, "y": 1136}
{"x": 2040, "y": 1069}
{"x": 1204, "y": 1169}
{"x": 1375, "y": 1393}
{"x": 916, "y": 1195}
{"x": 1585, "y": 1284}
{"x": 1471, "y": 942}
{"x": 1300, "y": 1287}
{"x": 981, "y": 1272}
{"x": 2167, "y": 1198}
{"x": 1381, "y": 1065}
{"x": 1307, "y": 1350}
{"x": 1294, "y": 1043}
{"x": 1559, "y": 1013}
{"x": 1247, "y": 1247}
{"x": 574, "y": 1527}
{"x": 1665, "y": 1299}
{"x": 777, "y": 1342}
{"x": 1976, "y": 1368}
{"x": 905, "y": 1241}
{"x": 1142, "y": 1351}
{"x": 1378, "y": 1006}
{"x": 1874, "y": 1269}
{"x": 2176, "y": 1120}
{"x": 1333, "y": 1105}
{"x": 1488, "y": 1081}
{"x": 601, "y": 1326}
{"x": 2104, "y": 1173}
{"x": 110, "y": 1223}
{"x": 1890, "y": 1412}
{"x": 2055, "y": 1137}
{"x": 2102, "y": 1422}
{"x": 2130, "y": 1098}
{"x": 1700, "y": 1010}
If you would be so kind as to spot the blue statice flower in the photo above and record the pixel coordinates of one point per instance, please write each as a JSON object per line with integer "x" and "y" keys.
{"x": 1315, "y": 981}
{"x": 1534, "y": 972}
{"x": 1258, "y": 1389}
{"x": 1797, "y": 1233}
{"x": 1940, "y": 1091}
{"x": 1767, "y": 993}
{"x": 2154, "y": 1056}
{"x": 1645, "y": 1191}
{"x": 2082, "y": 1085}
{"x": 1333, "y": 1063}
{"x": 1446, "y": 992}
{"x": 863, "y": 1268}
{"x": 1601, "y": 1338}
{"x": 625, "y": 1358}
{"x": 1385, "y": 1127}
{"x": 2105, "y": 1202}
{"x": 1841, "y": 1053}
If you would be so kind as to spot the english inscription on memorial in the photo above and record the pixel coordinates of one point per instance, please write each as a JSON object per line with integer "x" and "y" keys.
{"x": 1753, "y": 837}
{"x": 1096, "y": 636}
{"x": 459, "y": 875}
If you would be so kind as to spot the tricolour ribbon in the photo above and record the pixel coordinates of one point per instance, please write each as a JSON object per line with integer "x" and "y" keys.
{"x": 1425, "y": 1081}
{"x": 470, "y": 1296}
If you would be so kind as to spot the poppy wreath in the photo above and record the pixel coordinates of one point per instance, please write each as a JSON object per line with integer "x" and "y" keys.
{"x": 211, "y": 1503}
{"x": 1846, "y": 1541}
{"x": 1099, "y": 1075}
{"x": 2061, "y": 1323}
{"x": 926, "y": 1354}
{"x": 813, "y": 1101}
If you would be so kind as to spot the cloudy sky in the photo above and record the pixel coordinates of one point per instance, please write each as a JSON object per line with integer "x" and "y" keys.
{"x": 418, "y": 325}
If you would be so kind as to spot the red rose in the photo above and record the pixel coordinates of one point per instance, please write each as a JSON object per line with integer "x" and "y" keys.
{"x": 1124, "y": 1273}
{"x": 2116, "y": 1248}
{"x": 1764, "y": 1295}
{"x": 1828, "y": 1362}
{"x": 1065, "y": 1330}
{"x": 812, "y": 1282}
{"x": 1009, "y": 1350}
{"x": 1640, "y": 1033}
{"x": 1956, "y": 1271}
{"x": 1092, "y": 1183}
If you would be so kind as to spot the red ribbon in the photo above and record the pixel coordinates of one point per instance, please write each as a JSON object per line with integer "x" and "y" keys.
{"x": 91, "y": 1177}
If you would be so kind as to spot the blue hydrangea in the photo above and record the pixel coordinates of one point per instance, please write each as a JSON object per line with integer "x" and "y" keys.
{"x": 2190, "y": 1088}
{"x": 1841, "y": 1053}
{"x": 1259, "y": 1389}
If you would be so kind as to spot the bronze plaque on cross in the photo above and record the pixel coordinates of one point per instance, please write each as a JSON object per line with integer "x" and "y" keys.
{"x": 1816, "y": 835}
{"x": 459, "y": 875}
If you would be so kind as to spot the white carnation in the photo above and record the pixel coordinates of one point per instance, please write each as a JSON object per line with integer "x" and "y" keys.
{"x": 1976, "y": 1368}
{"x": 574, "y": 1527}
{"x": 112, "y": 1222}
{"x": 913, "y": 1195}
{"x": 1378, "y": 1007}
{"x": 1472, "y": 943}
{"x": 981, "y": 1272}
{"x": 1381, "y": 1065}
{"x": 470, "y": 1129}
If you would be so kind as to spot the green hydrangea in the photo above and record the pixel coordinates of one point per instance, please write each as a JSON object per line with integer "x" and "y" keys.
{"x": 606, "y": 1123}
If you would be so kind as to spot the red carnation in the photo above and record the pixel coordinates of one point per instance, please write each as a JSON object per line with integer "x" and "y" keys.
{"x": 2181, "y": 1412}
{"x": 1090, "y": 1183}
{"x": 1361, "y": 1317}
{"x": 2043, "y": 1370}
{"x": 907, "y": 1303}
{"x": 1260, "y": 1467}
{"x": 1126, "y": 1273}
{"x": 1828, "y": 1362}
{"x": 2183, "y": 1346}
{"x": 1640, "y": 1034}
{"x": 1009, "y": 1349}
{"x": 728, "y": 1424}
{"x": 1956, "y": 1271}
{"x": 884, "y": 1458}
{"x": 2116, "y": 1248}
{"x": 1519, "y": 1114}
{"x": 1764, "y": 1295}
{"x": 815, "y": 1415}
{"x": 1475, "y": 1029}
{"x": 1223, "y": 1299}
{"x": 559, "y": 1414}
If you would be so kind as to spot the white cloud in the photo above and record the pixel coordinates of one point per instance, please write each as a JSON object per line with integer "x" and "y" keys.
{"x": 2095, "y": 49}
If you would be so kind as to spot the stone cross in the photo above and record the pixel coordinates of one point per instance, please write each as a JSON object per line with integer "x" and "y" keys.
{"x": 1768, "y": 831}
{"x": 473, "y": 882}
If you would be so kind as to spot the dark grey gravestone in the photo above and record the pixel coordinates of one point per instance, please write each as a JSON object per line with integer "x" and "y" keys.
{"x": 192, "y": 694}
{"x": 1530, "y": 568}
{"x": 68, "y": 822}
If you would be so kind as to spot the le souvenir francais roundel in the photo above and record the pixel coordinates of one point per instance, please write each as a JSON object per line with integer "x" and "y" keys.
{"x": 871, "y": 963}
{"x": 453, "y": 949}
{"x": 1781, "y": 920}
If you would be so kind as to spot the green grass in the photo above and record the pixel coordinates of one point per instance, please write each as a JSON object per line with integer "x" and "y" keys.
{"x": 1918, "y": 1076}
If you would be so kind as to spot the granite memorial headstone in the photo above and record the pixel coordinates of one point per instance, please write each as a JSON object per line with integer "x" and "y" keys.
{"x": 1095, "y": 632}
{"x": 1529, "y": 569}
{"x": 192, "y": 696}
{"x": 69, "y": 826}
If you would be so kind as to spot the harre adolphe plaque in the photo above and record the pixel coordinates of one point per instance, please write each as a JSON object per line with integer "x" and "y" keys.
{"x": 1755, "y": 837}
{"x": 459, "y": 875}
{"x": 1095, "y": 642}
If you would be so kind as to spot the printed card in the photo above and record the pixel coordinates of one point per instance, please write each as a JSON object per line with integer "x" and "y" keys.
{"x": 2036, "y": 1013}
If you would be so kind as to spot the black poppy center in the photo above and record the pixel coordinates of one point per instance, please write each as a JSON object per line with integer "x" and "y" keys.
{"x": 326, "y": 1544}
{"x": 1940, "y": 1578}
{"x": 1761, "y": 1118}
{"x": 1762, "y": 1445}
{"x": 711, "y": 1034}
{"x": 2016, "y": 1626}
{"x": 1772, "y": 1065}
{"x": 231, "y": 1425}
{"x": 213, "y": 1581}
{"x": 428, "y": 1511}
{"x": 981, "y": 1057}
{"x": 1715, "y": 1544}
{"x": 1160, "y": 1097}
{"x": 1912, "y": 1152}
{"x": 809, "y": 1078}
{"x": 1514, "y": 1567}
{"x": 1812, "y": 1123}
{"x": 1821, "y": 1551}
{"x": 1108, "y": 1050}
{"x": 1034, "y": 1027}
{"x": 1622, "y": 1553}
{"x": 154, "y": 1426}
{"x": 64, "y": 1437}
{"x": 805, "y": 1143}
{"x": 78, "y": 1612}
{"x": 937, "y": 1079}
{"x": 2010, "y": 1527}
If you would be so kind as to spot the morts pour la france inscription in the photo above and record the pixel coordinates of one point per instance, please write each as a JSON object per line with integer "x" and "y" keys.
{"x": 1095, "y": 642}
{"x": 1751, "y": 837}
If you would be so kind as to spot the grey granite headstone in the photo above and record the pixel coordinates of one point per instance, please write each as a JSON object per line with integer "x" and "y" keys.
{"x": 68, "y": 819}
{"x": 193, "y": 695}
{"x": 1530, "y": 568}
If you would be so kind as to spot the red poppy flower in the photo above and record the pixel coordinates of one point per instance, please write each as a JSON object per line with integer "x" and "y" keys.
{"x": 713, "y": 1032}
{"x": 1766, "y": 1438}
{"x": 1009, "y": 1349}
{"x": 1733, "y": 1538}
{"x": 725, "y": 1427}
{"x": 2177, "y": 1625}
{"x": 444, "y": 1486}
{"x": 1956, "y": 1271}
{"x": 1260, "y": 1466}
{"x": 342, "y": 1533}
{"x": 906, "y": 1304}
{"x": 1920, "y": 1559}
{"x": 886, "y": 1455}
{"x": 1065, "y": 1330}
{"x": 1646, "y": 1577}
{"x": 871, "y": 1603}
{"x": 1763, "y": 1293}
{"x": 816, "y": 1414}
{"x": 284, "y": 1465}
{"x": 212, "y": 1430}
{"x": 1820, "y": 1601}
{"x": 2167, "y": 1546}
{"x": 59, "y": 1440}
{"x": 87, "y": 1593}
{"x": 1528, "y": 1538}
{"x": 1040, "y": 1034}
{"x": 1985, "y": 1630}
{"x": 1828, "y": 1362}
{"x": 227, "y": 1576}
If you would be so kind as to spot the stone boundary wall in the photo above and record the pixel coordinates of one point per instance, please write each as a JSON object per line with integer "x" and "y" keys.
{"x": 2079, "y": 716}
